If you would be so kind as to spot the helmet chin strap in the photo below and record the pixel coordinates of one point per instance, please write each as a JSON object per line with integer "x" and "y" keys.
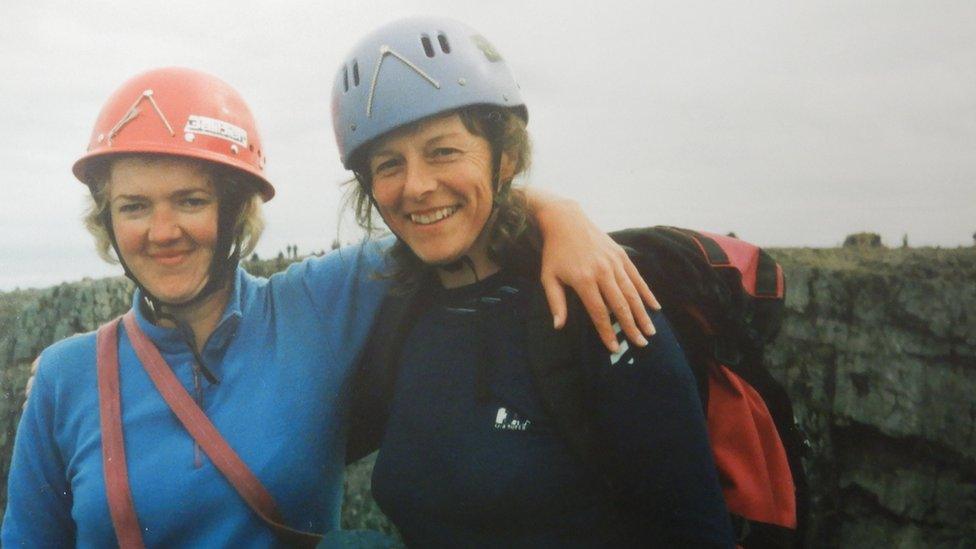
{"x": 460, "y": 263}
{"x": 465, "y": 260}
{"x": 220, "y": 270}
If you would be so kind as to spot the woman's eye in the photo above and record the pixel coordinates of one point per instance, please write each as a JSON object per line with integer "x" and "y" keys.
{"x": 195, "y": 202}
{"x": 444, "y": 152}
{"x": 386, "y": 166}
{"x": 131, "y": 207}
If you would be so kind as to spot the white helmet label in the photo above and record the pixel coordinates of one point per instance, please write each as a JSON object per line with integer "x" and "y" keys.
{"x": 204, "y": 125}
{"x": 486, "y": 48}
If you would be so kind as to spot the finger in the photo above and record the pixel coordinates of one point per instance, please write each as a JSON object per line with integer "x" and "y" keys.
{"x": 618, "y": 304}
{"x": 636, "y": 306}
{"x": 600, "y": 315}
{"x": 556, "y": 296}
{"x": 645, "y": 291}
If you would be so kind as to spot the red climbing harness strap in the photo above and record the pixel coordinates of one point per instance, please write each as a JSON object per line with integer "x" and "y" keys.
{"x": 193, "y": 419}
{"x": 120, "y": 505}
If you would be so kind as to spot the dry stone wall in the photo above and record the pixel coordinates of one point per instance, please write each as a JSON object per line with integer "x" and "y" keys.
{"x": 878, "y": 350}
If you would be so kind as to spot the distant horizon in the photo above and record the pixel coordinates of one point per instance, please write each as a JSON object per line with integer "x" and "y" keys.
{"x": 302, "y": 254}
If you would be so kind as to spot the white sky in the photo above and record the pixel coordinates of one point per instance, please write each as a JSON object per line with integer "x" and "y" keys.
{"x": 791, "y": 123}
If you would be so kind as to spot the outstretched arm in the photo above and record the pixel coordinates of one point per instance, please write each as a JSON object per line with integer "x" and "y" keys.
{"x": 577, "y": 254}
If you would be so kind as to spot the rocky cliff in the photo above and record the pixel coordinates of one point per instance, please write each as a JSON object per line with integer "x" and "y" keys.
{"x": 878, "y": 350}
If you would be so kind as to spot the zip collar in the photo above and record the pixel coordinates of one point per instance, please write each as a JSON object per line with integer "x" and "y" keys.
{"x": 169, "y": 341}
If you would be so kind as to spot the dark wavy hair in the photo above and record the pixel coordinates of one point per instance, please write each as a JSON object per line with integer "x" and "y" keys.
{"x": 513, "y": 238}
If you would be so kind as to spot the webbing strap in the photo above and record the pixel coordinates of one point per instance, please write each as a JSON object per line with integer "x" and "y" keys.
{"x": 208, "y": 437}
{"x": 196, "y": 423}
{"x": 768, "y": 277}
{"x": 714, "y": 253}
{"x": 117, "y": 491}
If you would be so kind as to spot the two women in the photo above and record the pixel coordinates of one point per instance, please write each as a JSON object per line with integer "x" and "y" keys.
{"x": 474, "y": 452}
{"x": 176, "y": 170}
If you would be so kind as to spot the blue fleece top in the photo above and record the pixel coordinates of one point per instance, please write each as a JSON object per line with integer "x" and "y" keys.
{"x": 281, "y": 353}
{"x": 461, "y": 466}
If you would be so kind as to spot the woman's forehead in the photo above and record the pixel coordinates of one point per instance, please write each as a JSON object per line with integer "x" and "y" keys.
{"x": 157, "y": 173}
{"x": 423, "y": 130}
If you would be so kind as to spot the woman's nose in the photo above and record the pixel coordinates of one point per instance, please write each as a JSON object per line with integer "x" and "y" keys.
{"x": 163, "y": 225}
{"x": 420, "y": 180}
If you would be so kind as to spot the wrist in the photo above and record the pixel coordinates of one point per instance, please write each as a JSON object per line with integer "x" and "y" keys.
{"x": 555, "y": 208}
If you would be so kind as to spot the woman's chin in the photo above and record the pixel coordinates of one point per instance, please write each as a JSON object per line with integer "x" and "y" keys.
{"x": 177, "y": 294}
{"x": 438, "y": 257}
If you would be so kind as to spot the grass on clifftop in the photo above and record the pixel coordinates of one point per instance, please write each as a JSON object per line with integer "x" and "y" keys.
{"x": 934, "y": 260}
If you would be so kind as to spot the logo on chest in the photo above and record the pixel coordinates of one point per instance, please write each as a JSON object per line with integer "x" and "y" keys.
{"x": 508, "y": 420}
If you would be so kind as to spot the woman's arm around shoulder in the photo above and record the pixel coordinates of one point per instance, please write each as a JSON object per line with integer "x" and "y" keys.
{"x": 343, "y": 288}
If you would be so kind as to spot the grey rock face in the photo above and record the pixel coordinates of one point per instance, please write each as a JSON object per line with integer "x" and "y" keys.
{"x": 878, "y": 350}
{"x": 32, "y": 320}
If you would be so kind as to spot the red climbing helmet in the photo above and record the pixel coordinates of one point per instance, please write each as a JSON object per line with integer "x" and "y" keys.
{"x": 181, "y": 112}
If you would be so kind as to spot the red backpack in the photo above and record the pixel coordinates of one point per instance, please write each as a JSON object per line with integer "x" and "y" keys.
{"x": 724, "y": 299}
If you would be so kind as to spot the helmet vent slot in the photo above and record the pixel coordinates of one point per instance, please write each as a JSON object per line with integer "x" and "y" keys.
{"x": 345, "y": 78}
{"x": 355, "y": 72}
{"x": 445, "y": 45}
{"x": 428, "y": 47}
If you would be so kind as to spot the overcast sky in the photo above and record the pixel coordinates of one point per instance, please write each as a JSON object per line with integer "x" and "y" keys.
{"x": 791, "y": 123}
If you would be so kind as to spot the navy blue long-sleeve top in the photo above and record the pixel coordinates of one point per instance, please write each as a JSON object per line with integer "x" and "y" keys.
{"x": 470, "y": 457}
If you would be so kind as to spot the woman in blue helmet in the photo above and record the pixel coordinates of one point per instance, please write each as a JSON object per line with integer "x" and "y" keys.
{"x": 431, "y": 122}
{"x": 175, "y": 166}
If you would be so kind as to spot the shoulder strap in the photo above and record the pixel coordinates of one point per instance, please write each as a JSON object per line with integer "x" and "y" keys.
{"x": 203, "y": 431}
{"x": 113, "y": 449}
{"x": 565, "y": 390}
{"x": 373, "y": 382}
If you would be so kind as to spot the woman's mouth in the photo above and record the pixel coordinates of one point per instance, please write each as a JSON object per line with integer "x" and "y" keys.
{"x": 433, "y": 216}
{"x": 169, "y": 258}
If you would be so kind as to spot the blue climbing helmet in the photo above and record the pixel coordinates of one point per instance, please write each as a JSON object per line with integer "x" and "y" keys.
{"x": 411, "y": 69}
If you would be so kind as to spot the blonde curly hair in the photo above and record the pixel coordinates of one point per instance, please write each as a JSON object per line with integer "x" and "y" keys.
{"x": 230, "y": 184}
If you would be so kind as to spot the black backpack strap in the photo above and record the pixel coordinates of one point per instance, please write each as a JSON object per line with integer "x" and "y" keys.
{"x": 371, "y": 386}
{"x": 563, "y": 384}
{"x": 679, "y": 274}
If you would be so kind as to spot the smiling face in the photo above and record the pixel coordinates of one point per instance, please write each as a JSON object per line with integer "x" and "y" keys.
{"x": 433, "y": 187}
{"x": 164, "y": 215}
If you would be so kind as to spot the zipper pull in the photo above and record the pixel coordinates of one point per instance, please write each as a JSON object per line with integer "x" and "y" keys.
{"x": 188, "y": 336}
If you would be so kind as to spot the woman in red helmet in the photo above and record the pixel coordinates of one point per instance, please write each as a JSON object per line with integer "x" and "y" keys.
{"x": 209, "y": 415}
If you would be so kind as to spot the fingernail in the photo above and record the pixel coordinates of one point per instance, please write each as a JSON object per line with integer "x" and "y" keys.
{"x": 642, "y": 341}
{"x": 555, "y": 321}
{"x": 648, "y": 328}
{"x": 615, "y": 347}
